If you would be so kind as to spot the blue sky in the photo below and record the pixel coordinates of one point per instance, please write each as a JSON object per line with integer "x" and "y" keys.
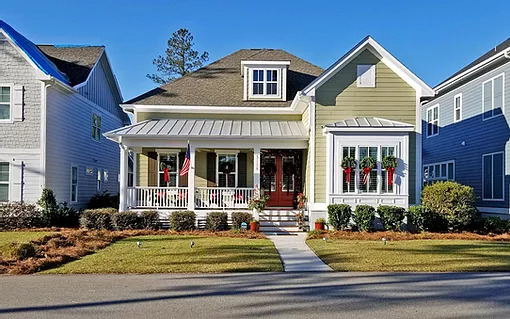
{"x": 432, "y": 38}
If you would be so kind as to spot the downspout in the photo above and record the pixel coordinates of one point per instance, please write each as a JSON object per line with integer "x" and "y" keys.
{"x": 44, "y": 97}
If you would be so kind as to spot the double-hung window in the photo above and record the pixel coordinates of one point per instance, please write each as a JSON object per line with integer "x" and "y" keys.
{"x": 443, "y": 171}
{"x": 5, "y": 103}
{"x": 348, "y": 180}
{"x": 227, "y": 170}
{"x": 457, "y": 107}
{"x": 493, "y": 96}
{"x": 368, "y": 184}
{"x": 493, "y": 176}
{"x": 96, "y": 127}
{"x": 74, "y": 184}
{"x": 385, "y": 186}
{"x": 168, "y": 170}
{"x": 4, "y": 182}
{"x": 433, "y": 120}
{"x": 99, "y": 180}
{"x": 265, "y": 83}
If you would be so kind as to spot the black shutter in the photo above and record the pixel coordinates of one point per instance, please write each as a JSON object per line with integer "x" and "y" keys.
{"x": 153, "y": 168}
{"x": 183, "y": 180}
{"x": 211, "y": 169}
{"x": 241, "y": 167}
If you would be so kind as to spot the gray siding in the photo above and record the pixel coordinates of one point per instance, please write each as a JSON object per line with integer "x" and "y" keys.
{"x": 99, "y": 88}
{"x": 15, "y": 69}
{"x": 480, "y": 137}
{"x": 69, "y": 142}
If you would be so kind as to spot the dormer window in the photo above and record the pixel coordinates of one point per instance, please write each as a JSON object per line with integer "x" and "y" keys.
{"x": 265, "y": 80}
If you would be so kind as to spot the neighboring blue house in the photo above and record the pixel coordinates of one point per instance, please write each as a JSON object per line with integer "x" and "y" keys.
{"x": 55, "y": 103}
{"x": 466, "y": 130}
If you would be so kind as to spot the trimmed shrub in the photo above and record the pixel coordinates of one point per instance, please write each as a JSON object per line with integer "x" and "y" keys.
{"x": 47, "y": 200}
{"x": 16, "y": 215}
{"x": 339, "y": 215}
{"x": 183, "y": 220}
{"x": 103, "y": 200}
{"x": 492, "y": 225}
{"x": 240, "y": 217}
{"x": 391, "y": 216}
{"x": 415, "y": 218}
{"x": 216, "y": 221}
{"x": 453, "y": 201}
{"x": 149, "y": 220}
{"x": 364, "y": 216}
{"x": 97, "y": 218}
{"x": 126, "y": 220}
{"x": 60, "y": 216}
{"x": 20, "y": 251}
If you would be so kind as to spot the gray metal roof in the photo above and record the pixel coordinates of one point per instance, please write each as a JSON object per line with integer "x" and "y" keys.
{"x": 212, "y": 129}
{"x": 369, "y": 122}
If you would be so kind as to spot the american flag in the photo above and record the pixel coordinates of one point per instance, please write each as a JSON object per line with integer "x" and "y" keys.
{"x": 185, "y": 165}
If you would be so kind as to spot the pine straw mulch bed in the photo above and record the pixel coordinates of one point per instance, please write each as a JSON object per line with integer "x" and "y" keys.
{"x": 69, "y": 245}
{"x": 391, "y": 235}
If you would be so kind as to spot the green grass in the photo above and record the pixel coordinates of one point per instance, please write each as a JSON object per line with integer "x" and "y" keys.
{"x": 172, "y": 254}
{"x": 413, "y": 255}
{"x": 8, "y": 237}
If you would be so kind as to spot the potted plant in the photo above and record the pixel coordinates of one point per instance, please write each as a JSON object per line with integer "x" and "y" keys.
{"x": 301, "y": 205}
{"x": 258, "y": 202}
{"x": 319, "y": 223}
{"x": 254, "y": 225}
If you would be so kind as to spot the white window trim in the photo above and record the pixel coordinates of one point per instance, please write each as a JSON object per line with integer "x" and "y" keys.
{"x": 176, "y": 153}
{"x": 218, "y": 168}
{"x": 265, "y": 95}
{"x": 371, "y": 68}
{"x": 492, "y": 178}
{"x": 92, "y": 126}
{"x": 9, "y": 178}
{"x": 77, "y": 177}
{"x": 435, "y": 179}
{"x": 11, "y": 104}
{"x": 455, "y": 120}
{"x": 427, "y": 121}
{"x": 492, "y": 102}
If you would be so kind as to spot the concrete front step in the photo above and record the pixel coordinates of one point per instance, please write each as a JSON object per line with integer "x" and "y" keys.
{"x": 278, "y": 223}
{"x": 279, "y": 213}
{"x": 278, "y": 218}
{"x": 279, "y": 229}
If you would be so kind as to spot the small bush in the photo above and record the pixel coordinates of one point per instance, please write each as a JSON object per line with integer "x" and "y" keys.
{"x": 491, "y": 225}
{"x": 103, "y": 200}
{"x": 149, "y": 220}
{"x": 97, "y": 218}
{"x": 16, "y": 215}
{"x": 183, "y": 220}
{"x": 453, "y": 201}
{"x": 20, "y": 251}
{"x": 60, "y": 216}
{"x": 47, "y": 200}
{"x": 240, "y": 217}
{"x": 339, "y": 215}
{"x": 126, "y": 220}
{"x": 364, "y": 216}
{"x": 216, "y": 221}
{"x": 391, "y": 216}
{"x": 415, "y": 218}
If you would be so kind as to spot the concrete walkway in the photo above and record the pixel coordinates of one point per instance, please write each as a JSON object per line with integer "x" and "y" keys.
{"x": 296, "y": 255}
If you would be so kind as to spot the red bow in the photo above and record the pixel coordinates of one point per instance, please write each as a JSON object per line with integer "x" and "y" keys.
{"x": 366, "y": 171}
{"x": 347, "y": 172}
{"x": 390, "y": 170}
{"x": 165, "y": 175}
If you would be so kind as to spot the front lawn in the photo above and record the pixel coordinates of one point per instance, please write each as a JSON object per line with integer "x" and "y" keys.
{"x": 413, "y": 255}
{"x": 8, "y": 237}
{"x": 173, "y": 254}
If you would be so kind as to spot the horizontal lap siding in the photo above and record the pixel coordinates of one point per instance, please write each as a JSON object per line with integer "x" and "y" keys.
{"x": 340, "y": 98}
{"x": 69, "y": 142}
{"x": 480, "y": 137}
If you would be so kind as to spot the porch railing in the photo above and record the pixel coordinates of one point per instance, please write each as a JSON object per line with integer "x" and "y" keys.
{"x": 157, "y": 197}
{"x": 221, "y": 197}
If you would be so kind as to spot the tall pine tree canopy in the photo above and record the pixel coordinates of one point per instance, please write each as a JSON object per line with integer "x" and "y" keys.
{"x": 179, "y": 59}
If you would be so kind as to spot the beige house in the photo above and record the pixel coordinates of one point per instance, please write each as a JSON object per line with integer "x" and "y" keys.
{"x": 263, "y": 118}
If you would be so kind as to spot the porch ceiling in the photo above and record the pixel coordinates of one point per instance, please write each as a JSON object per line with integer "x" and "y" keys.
{"x": 204, "y": 129}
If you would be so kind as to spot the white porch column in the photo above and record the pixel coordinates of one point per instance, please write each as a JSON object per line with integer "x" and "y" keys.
{"x": 256, "y": 167}
{"x": 191, "y": 179}
{"x": 123, "y": 179}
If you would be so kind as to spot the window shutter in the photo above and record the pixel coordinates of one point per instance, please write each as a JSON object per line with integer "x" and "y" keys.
{"x": 211, "y": 169}
{"x": 241, "y": 167}
{"x": 153, "y": 168}
{"x": 183, "y": 180}
{"x": 17, "y": 103}
{"x": 17, "y": 181}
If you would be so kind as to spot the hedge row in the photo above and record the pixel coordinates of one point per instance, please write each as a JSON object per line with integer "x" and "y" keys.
{"x": 215, "y": 221}
{"x": 110, "y": 219}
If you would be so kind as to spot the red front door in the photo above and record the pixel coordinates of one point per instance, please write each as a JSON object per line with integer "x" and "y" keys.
{"x": 279, "y": 180}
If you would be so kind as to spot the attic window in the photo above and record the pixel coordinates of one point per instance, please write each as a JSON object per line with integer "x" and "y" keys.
{"x": 366, "y": 76}
{"x": 265, "y": 83}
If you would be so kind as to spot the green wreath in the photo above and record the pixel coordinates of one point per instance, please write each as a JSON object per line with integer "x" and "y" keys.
{"x": 348, "y": 161}
{"x": 389, "y": 161}
{"x": 367, "y": 161}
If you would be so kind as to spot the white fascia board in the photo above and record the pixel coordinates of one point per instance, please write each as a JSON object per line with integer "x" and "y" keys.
{"x": 471, "y": 70}
{"x": 113, "y": 136}
{"x": 262, "y": 62}
{"x": 396, "y": 66}
{"x": 209, "y": 109}
{"x": 367, "y": 129}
